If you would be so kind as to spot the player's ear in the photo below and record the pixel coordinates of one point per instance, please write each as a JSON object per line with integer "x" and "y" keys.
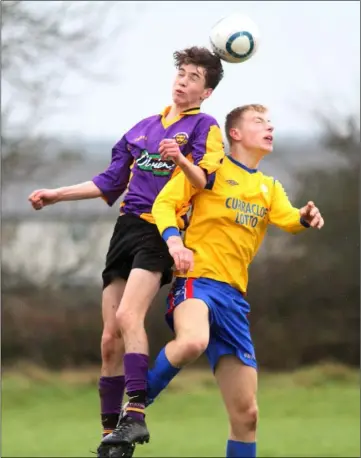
{"x": 207, "y": 93}
{"x": 235, "y": 134}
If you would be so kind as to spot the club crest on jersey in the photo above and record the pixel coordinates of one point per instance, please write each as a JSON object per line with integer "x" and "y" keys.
{"x": 181, "y": 138}
{"x": 150, "y": 162}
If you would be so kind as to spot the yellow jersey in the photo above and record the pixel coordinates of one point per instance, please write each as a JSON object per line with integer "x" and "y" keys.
{"x": 229, "y": 219}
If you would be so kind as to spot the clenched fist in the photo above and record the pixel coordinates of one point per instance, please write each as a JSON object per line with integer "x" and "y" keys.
{"x": 183, "y": 257}
{"x": 43, "y": 197}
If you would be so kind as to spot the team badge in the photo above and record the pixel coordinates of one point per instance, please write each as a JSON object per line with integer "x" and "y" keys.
{"x": 181, "y": 138}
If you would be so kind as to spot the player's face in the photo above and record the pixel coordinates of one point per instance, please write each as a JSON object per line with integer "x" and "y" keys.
{"x": 255, "y": 131}
{"x": 189, "y": 86}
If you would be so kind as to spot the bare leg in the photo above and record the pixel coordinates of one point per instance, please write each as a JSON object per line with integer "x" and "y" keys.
{"x": 238, "y": 385}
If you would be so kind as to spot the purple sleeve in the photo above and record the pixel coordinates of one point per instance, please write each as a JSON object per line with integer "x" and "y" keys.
{"x": 114, "y": 180}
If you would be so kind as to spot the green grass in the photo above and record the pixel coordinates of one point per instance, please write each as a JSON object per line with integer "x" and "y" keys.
{"x": 315, "y": 412}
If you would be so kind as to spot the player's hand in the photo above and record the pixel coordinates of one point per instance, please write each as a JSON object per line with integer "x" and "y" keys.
{"x": 43, "y": 197}
{"x": 311, "y": 214}
{"x": 183, "y": 257}
{"x": 169, "y": 151}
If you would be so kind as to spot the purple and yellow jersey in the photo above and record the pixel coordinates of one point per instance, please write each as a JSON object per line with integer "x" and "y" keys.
{"x": 136, "y": 166}
{"x": 229, "y": 219}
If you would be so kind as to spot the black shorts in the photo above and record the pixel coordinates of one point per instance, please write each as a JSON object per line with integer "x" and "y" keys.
{"x": 135, "y": 243}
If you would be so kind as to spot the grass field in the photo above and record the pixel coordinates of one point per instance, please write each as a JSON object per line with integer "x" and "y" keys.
{"x": 315, "y": 412}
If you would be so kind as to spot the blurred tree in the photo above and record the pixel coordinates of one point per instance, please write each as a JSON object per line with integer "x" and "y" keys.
{"x": 42, "y": 43}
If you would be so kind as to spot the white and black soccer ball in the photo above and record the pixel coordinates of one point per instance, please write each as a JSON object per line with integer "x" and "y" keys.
{"x": 235, "y": 38}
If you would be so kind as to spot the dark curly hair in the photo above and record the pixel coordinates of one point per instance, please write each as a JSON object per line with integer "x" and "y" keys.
{"x": 201, "y": 57}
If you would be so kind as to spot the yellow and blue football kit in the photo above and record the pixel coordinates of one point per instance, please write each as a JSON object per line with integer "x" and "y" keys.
{"x": 228, "y": 223}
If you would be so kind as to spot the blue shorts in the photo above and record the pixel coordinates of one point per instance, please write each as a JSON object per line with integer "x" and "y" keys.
{"x": 228, "y": 316}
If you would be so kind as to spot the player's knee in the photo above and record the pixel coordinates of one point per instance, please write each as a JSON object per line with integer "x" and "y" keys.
{"x": 193, "y": 348}
{"x": 111, "y": 346}
{"x": 251, "y": 417}
{"x": 128, "y": 318}
{"x": 244, "y": 417}
{"x": 125, "y": 319}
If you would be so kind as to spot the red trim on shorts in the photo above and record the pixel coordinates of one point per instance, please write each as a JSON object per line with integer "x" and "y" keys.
{"x": 188, "y": 293}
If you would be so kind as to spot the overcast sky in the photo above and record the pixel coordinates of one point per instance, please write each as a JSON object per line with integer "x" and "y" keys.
{"x": 309, "y": 54}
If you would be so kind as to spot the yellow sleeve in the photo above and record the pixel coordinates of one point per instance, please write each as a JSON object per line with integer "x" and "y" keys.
{"x": 207, "y": 147}
{"x": 282, "y": 214}
{"x": 172, "y": 201}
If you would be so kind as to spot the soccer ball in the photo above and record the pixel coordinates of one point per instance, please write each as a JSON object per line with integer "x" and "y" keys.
{"x": 235, "y": 38}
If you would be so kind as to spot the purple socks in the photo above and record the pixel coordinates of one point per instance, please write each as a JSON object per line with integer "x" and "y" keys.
{"x": 111, "y": 392}
{"x": 136, "y": 371}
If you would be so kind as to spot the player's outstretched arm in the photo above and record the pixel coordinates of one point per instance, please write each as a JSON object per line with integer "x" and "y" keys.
{"x": 109, "y": 185}
{"x": 289, "y": 218}
{"x": 44, "y": 197}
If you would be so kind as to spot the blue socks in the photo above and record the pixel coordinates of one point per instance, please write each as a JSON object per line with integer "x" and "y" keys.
{"x": 237, "y": 449}
{"x": 160, "y": 376}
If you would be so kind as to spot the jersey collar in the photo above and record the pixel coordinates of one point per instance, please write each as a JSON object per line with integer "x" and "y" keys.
{"x": 242, "y": 166}
{"x": 190, "y": 111}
